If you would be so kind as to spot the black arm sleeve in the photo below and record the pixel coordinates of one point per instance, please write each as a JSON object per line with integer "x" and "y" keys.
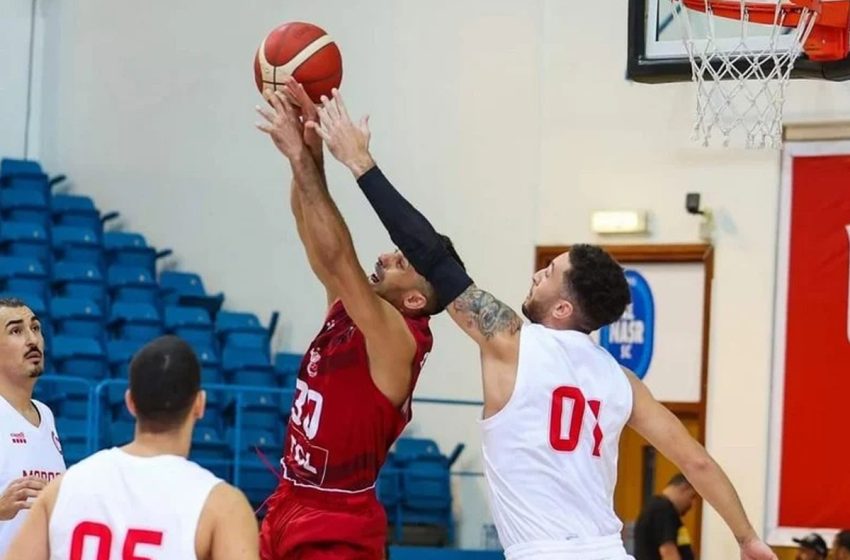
{"x": 416, "y": 237}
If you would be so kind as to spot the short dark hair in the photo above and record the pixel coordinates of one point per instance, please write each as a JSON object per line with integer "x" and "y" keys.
{"x": 679, "y": 480}
{"x": 597, "y": 285}
{"x": 12, "y": 302}
{"x": 165, "y": 378}
{"x": 842, "y": 539}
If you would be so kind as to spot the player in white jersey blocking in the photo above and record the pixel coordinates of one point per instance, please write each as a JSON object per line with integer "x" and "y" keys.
{"x": 30, "y": 453}
{"x": 555, "y": 402}
{"x": 145, "y": 499}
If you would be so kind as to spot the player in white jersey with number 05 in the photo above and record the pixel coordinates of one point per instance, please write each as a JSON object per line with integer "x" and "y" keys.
{"x": 145, "y": 499}
{"x": 555, "y": 402}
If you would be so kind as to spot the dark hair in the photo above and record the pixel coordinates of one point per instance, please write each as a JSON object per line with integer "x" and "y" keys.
{"x": 12, "y": 302}
{"x": 597, "y": 285}
{"x": 165, "y": 378}
{"x": 842, "y": 539}
{"x": 433, "y": 303}
{"x": 679, "y": 480}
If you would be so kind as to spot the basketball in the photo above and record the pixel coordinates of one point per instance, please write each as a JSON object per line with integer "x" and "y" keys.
{"x": 303, "y": 51}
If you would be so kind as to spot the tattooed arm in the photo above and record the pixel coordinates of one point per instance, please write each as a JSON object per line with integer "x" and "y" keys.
{"x": 495, "y": 327}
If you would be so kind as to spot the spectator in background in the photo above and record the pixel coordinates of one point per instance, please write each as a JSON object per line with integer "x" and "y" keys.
{"x": 30, "y": 453}
{"x": 659, "y": 531}
{"x": 811, "y": 547}
{"x": 841, "y": 546}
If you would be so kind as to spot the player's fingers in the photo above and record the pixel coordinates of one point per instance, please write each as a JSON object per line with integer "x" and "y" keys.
{"x": 263, "y": 127}
{"x": 34, "y": 483}
{"x": 330, "y": 107}
{"x": 364, "y": 125}
{"x": 319, "y": 130}
{"x": 287, "y": 106}
{"x": 18, "y": 506}
{"x": 324, "y": 116}
{"x": 265, "y": 113}
{"x": 340, "y": 104}
{"x": 274, "y": 100}
{"x": 26, "y": 493}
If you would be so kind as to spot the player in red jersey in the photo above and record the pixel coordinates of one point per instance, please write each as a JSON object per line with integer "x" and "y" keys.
{"x": 355, "y": 383}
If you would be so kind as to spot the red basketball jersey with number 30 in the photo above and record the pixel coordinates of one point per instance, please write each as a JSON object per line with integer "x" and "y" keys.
{"x": 341, "y": 426}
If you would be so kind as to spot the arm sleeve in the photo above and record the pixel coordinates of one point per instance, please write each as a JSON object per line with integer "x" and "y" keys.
{"x": 416, "y": 237}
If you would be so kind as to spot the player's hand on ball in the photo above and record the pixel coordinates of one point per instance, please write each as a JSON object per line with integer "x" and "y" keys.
{"x": 348, "y": 142}
{"x": 282, "y": 124}
{"x": 17, "y": 496}
{"x": 308, "y": 112}
{"x": 756, "y": 550}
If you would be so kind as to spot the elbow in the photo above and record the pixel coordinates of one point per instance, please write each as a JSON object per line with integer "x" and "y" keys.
{"x": 697, "y": 466}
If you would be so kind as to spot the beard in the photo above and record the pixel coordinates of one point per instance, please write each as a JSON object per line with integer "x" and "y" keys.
{"x": 37, "y": 372}
{"x": 532, "y": 311}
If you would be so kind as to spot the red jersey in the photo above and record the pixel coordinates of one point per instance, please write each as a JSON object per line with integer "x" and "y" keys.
{"x": 341, "y": 426}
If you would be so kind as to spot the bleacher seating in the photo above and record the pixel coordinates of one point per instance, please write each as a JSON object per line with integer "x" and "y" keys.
{"x": 100, "y": 299}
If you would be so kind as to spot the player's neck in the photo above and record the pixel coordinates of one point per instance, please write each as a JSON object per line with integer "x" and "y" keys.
{"x": 17, "y": 395}
{"x": 148, "y": 444}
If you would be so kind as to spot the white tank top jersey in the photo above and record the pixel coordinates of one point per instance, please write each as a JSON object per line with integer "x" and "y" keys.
{"x": 26, "y": 450}
{"x": 550, "y": 455}
{"x": 117, "y": 505}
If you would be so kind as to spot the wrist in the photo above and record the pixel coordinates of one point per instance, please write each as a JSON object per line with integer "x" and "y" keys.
{"x": 360, "y": 164}
{"x": 747, "y": 537}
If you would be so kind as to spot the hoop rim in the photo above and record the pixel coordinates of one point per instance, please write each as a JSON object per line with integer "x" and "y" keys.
{"x": 829, "y": 39}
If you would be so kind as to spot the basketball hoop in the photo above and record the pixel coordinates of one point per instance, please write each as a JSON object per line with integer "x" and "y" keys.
{"x": 741, "y": 85}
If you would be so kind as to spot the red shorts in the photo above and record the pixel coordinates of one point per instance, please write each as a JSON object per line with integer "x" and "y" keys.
{"x": 303, "y": 523}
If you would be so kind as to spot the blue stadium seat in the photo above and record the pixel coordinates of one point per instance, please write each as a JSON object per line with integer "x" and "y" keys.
{"x": 135, "y": 321}
{"x": 257, "y": 479}
{"x": 25, "y": 175}
{"x": 119, "y": 353}
{"x": 10, "y": 167}
{"x": 77, "y": 244}
{"x": 121, "y": 433}
{"x": 286, "y": 365}
{"x": 210, "y": 361}
{"x": 77, "y": 317}
{"x": 23, "y": 275}
{"x": 131, "y": 249}
{"x": 187, "y": 289}
{"x": 132, "y": 284}
{"x": 81, "y": 357}
{"x": 190, "y": 323}
{"x": 25, "y": 239}
{"x": 74, "y": 402}
{"x": 79, "y": 280}
{"x": 24, "y": 205}
{"x": 261, "y": 411}
{"x": 389, "y": 486}
{"x": 207, "y": 443}
{"x": 242, "y": 330}
{"x": 73, "y": 435}
{"x": 74, "y": 210}
{"x": 214, "y": 412}
{"x": 247, "y": 366}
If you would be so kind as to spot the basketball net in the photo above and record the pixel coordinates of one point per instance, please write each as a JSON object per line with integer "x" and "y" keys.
{"x": 741, "y": 91}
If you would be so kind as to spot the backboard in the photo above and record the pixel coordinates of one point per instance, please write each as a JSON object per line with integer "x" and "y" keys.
{"x": 656, "y": 53}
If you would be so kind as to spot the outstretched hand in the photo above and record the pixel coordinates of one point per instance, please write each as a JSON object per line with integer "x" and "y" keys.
{"x": 308, "y": 112}
{"x": 283, "y": 124}
{"x": 348, "y": 142}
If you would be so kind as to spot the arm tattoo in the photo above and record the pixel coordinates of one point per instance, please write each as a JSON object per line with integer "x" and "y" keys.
{"x": 487, "y": 314}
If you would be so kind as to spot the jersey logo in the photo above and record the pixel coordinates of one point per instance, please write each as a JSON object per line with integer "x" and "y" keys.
{"x": 630, "y": 338}
{"x": 56, "y": 442}
{"x": 313, "y": 366}
{"x": 19, "y": 438}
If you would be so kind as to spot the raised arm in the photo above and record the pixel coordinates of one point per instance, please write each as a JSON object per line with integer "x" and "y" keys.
{"x": 666, "y": 433}
{"x": 332, "y": 250}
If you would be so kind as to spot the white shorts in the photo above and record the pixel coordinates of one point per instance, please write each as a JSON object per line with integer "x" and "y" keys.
{"x": 603, "y": 548}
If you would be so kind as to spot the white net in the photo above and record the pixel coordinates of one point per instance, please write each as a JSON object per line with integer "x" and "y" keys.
{"x": 741, "y": 84}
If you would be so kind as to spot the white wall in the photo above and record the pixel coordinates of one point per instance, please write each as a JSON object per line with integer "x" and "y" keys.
{"x": 609, "y": 143}
{"x": 506, "y": 121}
{"x": 16, "y": 17}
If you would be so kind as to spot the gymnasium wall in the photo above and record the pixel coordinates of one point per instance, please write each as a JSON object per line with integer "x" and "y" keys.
{"x": 610, "y": 143}
{"x": 507, "y": 121}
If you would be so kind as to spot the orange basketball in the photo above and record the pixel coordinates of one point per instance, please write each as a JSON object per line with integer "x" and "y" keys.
{"x": 303, "y": 51}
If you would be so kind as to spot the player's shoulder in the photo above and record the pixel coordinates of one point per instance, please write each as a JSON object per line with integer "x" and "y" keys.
{"x": 223, "y": 500}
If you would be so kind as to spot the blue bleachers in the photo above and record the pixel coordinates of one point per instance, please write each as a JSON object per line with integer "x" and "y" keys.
{"x": 100, "y": 299}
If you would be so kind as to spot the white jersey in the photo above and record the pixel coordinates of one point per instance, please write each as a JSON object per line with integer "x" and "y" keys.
{"x": 550, "y": 455}
{"x": 117, "y": 505}
{"x": 26, "y": 450}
